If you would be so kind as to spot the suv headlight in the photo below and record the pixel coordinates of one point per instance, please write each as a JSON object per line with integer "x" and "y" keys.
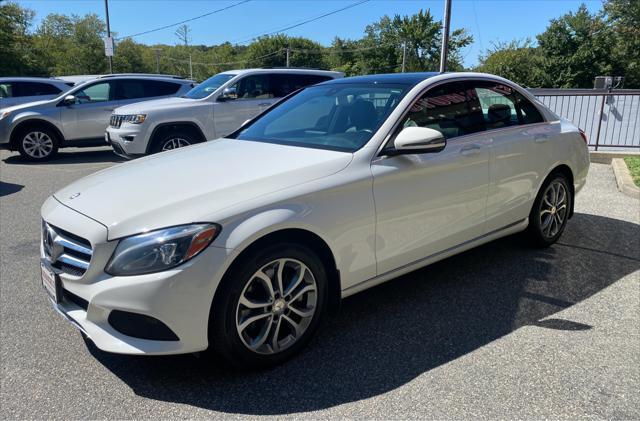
{"x": 134, "y": 118}
{"x": 160, "y": 250}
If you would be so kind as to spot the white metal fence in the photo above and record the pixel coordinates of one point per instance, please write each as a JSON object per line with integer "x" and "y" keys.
{"x": 610, "y": 119}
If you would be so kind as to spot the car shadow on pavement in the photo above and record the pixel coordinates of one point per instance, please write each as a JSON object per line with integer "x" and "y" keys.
{"x": 389, "y": 335}
{"x": 71, "y": 156}
{"x": 9, "y": 188}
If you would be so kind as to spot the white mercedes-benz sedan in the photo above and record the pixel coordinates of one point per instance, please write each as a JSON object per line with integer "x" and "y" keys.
{"x": 243, "y": 244}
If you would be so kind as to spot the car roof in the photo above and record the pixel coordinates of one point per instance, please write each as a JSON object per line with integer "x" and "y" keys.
{"x": 32, "y": 79}
{"x": 284, "y": 70}
{"x": 409, "y": 79}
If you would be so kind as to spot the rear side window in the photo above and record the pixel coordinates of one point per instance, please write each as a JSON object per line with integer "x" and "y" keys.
{"x": 34, "y": 89}
{"x": 503, "y": 106}
{"x": 129, "y": 89}
{"x": 98, "y": 92}
{"x": 450, "y": 109}
{"x": 159, "y": 88}
{"x": 283, "y": 84}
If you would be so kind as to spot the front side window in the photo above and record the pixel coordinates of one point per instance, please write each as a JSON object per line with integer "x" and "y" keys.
{"x": 449, "y": 108}
{"x": 99, "y": 92}
{"x": 340, "y": 117}
{"x": 209, "y": 86}
{"x": 6, "y": 90}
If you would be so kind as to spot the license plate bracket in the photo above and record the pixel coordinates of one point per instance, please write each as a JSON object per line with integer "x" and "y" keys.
{"x": 50, "y": 282}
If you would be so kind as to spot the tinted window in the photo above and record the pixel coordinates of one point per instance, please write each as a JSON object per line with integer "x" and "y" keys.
{"x": 503, "y": 106}
{"x": 129, "y": 89}
{"x": 34, "y": 89}
{"x": 159, "y": 88}
{"x": 283, "y": 84}
{"x": 6, "y": 90}
{"x": 254, "y": 87}
{"x": 98, "y": 92}
{"x": 339, "y": 117}
{"x": 450, "y": 109}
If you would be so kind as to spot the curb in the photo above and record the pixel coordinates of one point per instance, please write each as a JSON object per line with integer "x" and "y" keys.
{"x": 605, "y": 157}
{"x": 623, "y": 178}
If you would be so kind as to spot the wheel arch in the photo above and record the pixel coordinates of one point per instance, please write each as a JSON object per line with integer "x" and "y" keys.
{"x": 13, "y": 137}
{"x": 294, "y": 235}
{"x": 162, "y": 128}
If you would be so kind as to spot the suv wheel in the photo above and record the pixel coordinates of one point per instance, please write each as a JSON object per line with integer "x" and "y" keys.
{"x": 550, "y": 212}
{"x": 269, "y": 306}
{"x": 37, "y": 143}
{"x": 173, "y": 140}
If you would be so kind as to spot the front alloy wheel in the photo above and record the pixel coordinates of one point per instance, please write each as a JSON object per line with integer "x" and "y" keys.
{"x": 268, "y": 305}
{"x": 276, "y": 306}
{"x": 174, "y": 143}
{"x": 37, "y": 145}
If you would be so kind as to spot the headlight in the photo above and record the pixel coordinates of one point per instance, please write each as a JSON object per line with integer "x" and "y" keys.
{"x": 134, "y": 118}
{"x": 160, "y": 250}
{"x": 4, "y": 114}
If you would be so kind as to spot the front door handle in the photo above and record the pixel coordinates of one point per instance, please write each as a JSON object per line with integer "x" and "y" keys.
{"x": 470, "y": 150}
{"x": 265, "y": 104}
{"x": 539, "y": 138}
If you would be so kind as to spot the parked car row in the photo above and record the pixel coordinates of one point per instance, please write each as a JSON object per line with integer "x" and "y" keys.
{"x": 242, "y": 245}
{"x": 145, "y": 114}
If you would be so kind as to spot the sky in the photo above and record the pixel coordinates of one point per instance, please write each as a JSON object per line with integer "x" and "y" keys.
{"x": 489, "y": 21}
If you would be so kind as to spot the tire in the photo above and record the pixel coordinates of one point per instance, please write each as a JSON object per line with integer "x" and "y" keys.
{"x": 172, "y": 140}
{"x": 550, "y": 212}
{"x": 37, "y": 143}
{"x": 249, "y": 344}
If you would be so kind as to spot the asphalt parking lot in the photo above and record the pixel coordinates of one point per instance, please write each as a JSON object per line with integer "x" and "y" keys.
{"x": 502, "y": 331}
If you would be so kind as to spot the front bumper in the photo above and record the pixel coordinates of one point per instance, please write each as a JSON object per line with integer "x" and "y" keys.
{"x": 128, "y": 141}
{"x": 179, "y": 298}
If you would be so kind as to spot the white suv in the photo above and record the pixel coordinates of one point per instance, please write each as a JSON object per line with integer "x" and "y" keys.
{"x": 211, "y": 110}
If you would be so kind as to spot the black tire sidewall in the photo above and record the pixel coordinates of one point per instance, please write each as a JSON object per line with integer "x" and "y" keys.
{"x": 535, "y": 229}
{"x": 160, "y": 141}
{"x": 37, "y": 128}
{"x": 223, "y": 337}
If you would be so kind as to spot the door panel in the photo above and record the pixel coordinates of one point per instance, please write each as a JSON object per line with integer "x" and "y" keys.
{"x": 89, "y": 116}
{"x": 427, "y": 203}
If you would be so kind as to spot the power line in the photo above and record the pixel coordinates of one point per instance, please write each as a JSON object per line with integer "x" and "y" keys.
{"x": 185, "y": 21}
{"x": 333, "y": 12}
{"x": 229, "y": 62}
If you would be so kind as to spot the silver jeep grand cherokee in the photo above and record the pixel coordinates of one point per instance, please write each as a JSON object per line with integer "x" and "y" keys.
{"x": 79, "y": 116}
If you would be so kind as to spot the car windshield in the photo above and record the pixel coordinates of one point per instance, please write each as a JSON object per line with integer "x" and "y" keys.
{"x": 207, "y": 87}
{"x": 340, "y": 117}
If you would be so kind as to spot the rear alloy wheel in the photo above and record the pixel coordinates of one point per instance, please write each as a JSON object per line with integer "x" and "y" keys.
{"x": 37, "y": 144}
{"x": 550, "y": 212}
{"x": 269, "y": 306}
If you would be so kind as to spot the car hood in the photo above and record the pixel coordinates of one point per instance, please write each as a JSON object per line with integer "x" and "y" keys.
{"x": 194, "y": 184}
{"x": 28, "y": 105}
{"x": 174, "y": 103}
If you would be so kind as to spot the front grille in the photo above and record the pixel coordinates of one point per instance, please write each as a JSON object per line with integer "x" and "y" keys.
{"x": 65, "y": 251}
{"x": 116, "y": 121}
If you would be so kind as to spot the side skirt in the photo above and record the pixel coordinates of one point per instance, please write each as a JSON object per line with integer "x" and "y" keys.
{"x": 483, "y": 239}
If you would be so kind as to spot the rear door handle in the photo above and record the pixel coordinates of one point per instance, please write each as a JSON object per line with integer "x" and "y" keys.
{"x": 470, "y": 150}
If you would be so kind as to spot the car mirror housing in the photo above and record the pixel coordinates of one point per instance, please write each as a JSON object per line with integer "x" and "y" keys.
{"x": 69, "y": 100}
{"x": 415, "y": 140}
{"x": 228, "y": 94}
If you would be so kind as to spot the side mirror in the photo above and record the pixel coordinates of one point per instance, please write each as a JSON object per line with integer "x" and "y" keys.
{"x": 413, "y": 140}
{"x": 69, "y": 100}
{"x": 228, "y": 94}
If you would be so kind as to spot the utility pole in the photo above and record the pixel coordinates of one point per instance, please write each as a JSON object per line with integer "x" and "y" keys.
{"x": 404, "y": 55}
{"x": 445, "y": 36}
{"x": 288, "y": 53}
{"x": 190, "y": 68}
{"x": 106, "y": 9}
{"x": 157, "y": 50}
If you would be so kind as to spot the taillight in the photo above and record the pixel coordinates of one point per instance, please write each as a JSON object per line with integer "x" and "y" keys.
{"x": 584, "y": 137}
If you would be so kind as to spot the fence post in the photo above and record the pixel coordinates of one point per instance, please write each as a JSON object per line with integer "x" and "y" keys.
{"x": 600, "y": 120}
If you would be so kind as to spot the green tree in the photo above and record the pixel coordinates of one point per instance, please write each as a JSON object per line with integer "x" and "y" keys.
{"x": 576, "y": 48}
{"x": 270, "y": 51}
{"x": 130, "y": 57}
{"x": 624, "y": 18}
{"x": 17, "y": 54}
{"x": 519, "y": 61}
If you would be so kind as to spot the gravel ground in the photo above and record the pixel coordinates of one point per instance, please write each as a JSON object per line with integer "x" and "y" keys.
{"x": 502, "y": 331}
